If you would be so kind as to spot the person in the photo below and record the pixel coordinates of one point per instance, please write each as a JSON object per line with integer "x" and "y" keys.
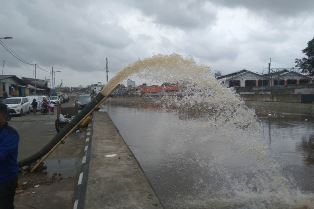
{"x": 51, "y": 107}
{"x": 44, "y": 106}
{"x": 9, "y": 169}
{"x": 34, "y": 105}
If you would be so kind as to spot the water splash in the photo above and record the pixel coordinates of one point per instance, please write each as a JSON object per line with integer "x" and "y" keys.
{"x": 260, "y": 183}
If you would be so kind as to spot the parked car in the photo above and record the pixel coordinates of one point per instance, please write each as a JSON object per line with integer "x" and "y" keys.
{"x": 17, "y": 105}
{"x": 54, "y": 99}
{"x": 83, "y": 100}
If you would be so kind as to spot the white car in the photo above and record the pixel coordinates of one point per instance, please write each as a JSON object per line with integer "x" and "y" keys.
{"x": 17, "y": 105}
{"x": 54, "y": 99}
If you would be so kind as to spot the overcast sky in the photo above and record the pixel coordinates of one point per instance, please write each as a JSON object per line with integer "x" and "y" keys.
{"x": 75, "y": 36}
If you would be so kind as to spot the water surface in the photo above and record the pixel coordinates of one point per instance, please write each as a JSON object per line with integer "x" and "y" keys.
{"x": 190, "y": 169}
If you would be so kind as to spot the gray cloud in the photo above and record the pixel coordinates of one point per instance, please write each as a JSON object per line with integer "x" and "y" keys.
{"x": 276, "y": 7}
{"x": 46, "y": 34}
{"x": 176, "y": 13}
{"x": 77, "y": 35}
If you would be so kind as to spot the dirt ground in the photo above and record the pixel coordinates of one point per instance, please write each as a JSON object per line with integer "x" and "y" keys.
{"x": 54, "y": 186}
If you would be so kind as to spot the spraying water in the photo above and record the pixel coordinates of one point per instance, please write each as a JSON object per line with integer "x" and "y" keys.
{"x": 244, "y": 174}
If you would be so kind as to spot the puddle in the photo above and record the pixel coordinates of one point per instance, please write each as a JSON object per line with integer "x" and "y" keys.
{"x": 66, "y": 167}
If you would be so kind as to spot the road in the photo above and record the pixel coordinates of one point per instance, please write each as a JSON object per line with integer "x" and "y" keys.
{"x": 35, "y": 131}
{"x": 54, "y": 187}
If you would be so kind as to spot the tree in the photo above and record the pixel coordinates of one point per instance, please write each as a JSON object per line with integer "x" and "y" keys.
{"x": 306, "y": 64}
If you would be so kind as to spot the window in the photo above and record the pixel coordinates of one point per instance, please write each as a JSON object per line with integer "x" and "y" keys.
{"x": 304, "y": 81}
{"x": 291, "y": 82}
{"x": 263, "y": 82}
{"x": 250, "y": 83}
{"x": 234, "y": 83}
{"x": 279, "y": 82}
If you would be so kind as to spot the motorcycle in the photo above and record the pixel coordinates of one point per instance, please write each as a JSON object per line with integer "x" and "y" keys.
{"x": 44, "y": 108}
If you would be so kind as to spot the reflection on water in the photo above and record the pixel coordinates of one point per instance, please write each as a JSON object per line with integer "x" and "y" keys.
{"x": 291, "y": 142}
{"x": 190, "y": 166}
{"x": 307, "y": 146}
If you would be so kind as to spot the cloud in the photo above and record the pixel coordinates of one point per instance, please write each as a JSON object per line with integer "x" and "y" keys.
{"x": 176, "y": 13}
{"x": 47, "y": 34}
{"x": 275, "y": 7}
{"x": 77, "y": 35}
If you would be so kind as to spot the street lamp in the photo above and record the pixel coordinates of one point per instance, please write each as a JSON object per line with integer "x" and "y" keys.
{"x": 6, "y": 37}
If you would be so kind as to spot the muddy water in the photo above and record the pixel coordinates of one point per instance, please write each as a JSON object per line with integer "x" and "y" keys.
{"x": 178, "y": 158}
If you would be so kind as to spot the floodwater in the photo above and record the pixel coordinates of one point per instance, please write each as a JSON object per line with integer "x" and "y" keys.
{"x": 189, "y": 170}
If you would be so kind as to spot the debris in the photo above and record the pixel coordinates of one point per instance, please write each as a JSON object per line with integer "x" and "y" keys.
{"x": 111, "y": 155}
{"x": 36, "y": 186}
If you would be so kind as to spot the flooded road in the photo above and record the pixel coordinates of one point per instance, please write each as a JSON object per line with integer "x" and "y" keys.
{"x": 191, "y": 166}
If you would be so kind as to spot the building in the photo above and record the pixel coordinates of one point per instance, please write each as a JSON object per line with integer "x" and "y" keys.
{"x": 287, "y": 78}
{"x": 12, "y": 86}
{"x": 36, "y": 86}
{"x": 243, "y": 78}
{"x": 130, "y": 84}
{"x": 248, "y": 79}
{"x": 156, "y": 90}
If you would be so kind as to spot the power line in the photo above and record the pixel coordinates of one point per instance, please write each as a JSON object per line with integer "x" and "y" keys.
{"x": 19, "y": 58}
{"x": 14, "y": 54}
{"x": 43, "y": 69}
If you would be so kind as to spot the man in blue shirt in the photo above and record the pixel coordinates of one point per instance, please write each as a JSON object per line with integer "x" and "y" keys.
{"x": 9, "y": 169}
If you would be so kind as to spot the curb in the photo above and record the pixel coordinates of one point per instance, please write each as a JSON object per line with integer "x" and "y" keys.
{"x": 80, "y": 190}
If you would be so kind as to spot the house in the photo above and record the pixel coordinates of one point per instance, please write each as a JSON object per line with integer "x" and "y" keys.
{"x": 12, "y": 86}
{"x": 36, "y": 86}
{"x": 243, "y": 78}
{"x": 287, "y": 78}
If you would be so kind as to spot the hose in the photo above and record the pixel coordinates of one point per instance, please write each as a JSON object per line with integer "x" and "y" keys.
{"x": 64, "y": 131}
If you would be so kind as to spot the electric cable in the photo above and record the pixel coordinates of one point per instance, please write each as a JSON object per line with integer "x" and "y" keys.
{"x": 14, "y": 55}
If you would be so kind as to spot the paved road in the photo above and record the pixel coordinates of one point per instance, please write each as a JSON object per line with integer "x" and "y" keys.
{"x": 35, "y": 130}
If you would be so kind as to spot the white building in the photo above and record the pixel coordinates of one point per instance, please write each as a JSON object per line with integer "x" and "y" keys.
{"x": 130, "y": 84}
{"x": 246, "y": 78}
{"x": 243, "y": 78}
{"x": 287, "y": 78}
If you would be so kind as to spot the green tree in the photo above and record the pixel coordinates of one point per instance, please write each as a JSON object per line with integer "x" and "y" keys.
{"x": 306, "y": 64}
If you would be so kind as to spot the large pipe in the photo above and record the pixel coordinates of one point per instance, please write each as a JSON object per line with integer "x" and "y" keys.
{"x": 64, "y": 132}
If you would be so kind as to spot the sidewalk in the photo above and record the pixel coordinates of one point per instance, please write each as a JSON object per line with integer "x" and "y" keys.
{"x": 115, "y": 179}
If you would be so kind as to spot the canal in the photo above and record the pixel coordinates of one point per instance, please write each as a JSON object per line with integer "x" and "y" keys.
{"x": 192, "y": 165}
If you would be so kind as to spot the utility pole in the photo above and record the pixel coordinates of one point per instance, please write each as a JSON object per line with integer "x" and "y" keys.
{"x": 52, "y": 84}
{"x": 269, "y": 64}
{"x": 3, "y": 64}
{"x": 35, "y": 80}
{"x": 107, "y": 70}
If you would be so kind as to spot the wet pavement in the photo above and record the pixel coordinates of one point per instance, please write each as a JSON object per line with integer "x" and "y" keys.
{"x": 54, "y": 186}
{"x": 35, "y": 131}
